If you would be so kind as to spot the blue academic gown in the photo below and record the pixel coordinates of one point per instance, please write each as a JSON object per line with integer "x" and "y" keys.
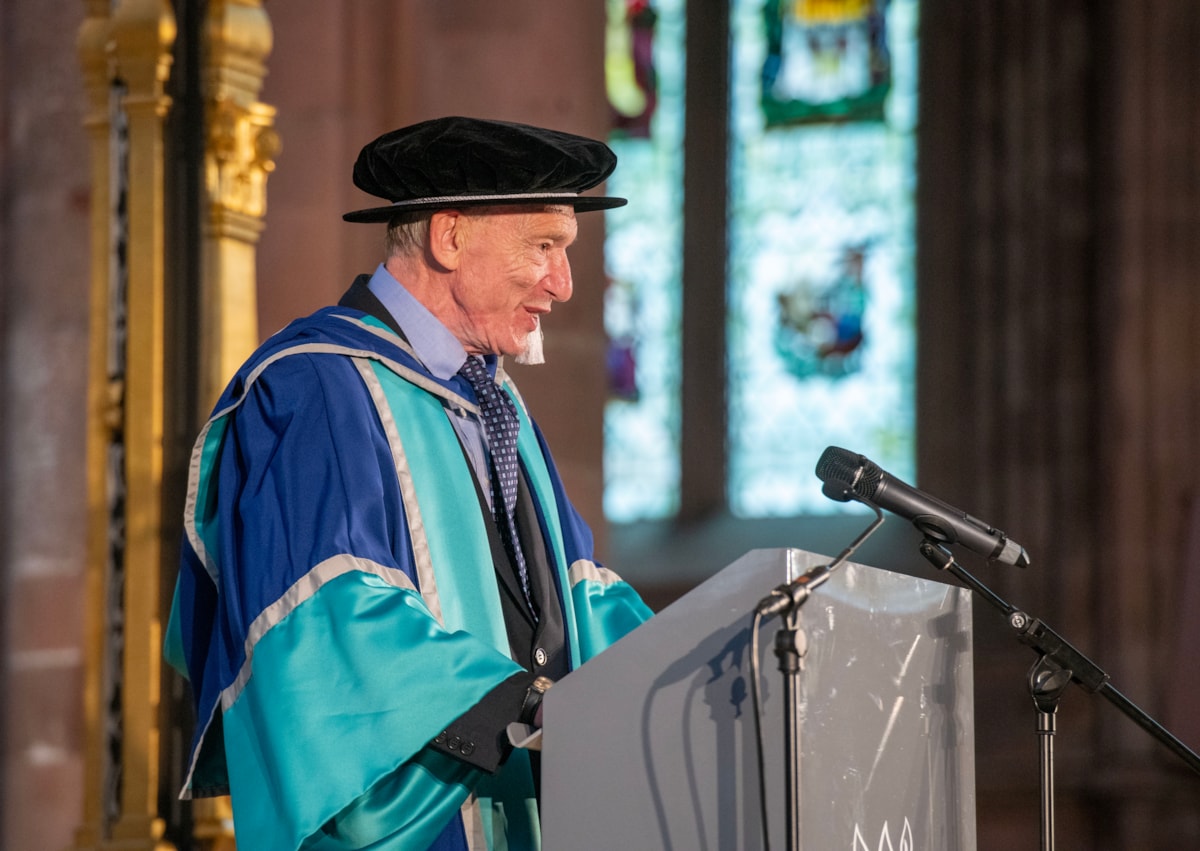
{"x": 338, "y": 608}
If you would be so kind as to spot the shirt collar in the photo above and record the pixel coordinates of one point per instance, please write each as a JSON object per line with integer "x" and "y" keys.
{"x": 431, "y": 341}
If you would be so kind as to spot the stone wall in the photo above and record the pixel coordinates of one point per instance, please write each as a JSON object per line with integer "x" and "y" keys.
{"x": 44, "y": 268}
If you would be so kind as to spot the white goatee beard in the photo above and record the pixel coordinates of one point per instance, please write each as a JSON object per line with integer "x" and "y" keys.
{"x": 532, "y": 353}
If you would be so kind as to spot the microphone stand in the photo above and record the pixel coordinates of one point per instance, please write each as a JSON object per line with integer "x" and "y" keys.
{"x": 1058, "y": 666}
{"x": 791, "y": 644}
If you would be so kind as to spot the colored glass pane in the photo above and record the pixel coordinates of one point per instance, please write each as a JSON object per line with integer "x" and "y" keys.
{"x": 821, "y": 343}
{"x": 643, "y": 260}
{"x": 821, "y": 292}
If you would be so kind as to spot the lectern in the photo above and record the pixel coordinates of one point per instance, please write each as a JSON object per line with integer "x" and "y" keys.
{"x": 651, "y": 744}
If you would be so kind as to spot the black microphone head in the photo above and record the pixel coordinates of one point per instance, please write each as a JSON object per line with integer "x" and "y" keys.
{"x": 838, "y": 465}
{"x": 841, "y": 468}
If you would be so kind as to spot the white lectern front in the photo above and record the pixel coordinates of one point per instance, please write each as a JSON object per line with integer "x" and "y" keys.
{"x": 651, "y": 744}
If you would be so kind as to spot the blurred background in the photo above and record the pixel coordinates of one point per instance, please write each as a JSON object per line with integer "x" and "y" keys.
{"x": 959, "y": 237}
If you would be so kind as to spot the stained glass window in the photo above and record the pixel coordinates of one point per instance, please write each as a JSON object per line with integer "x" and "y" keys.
{"x": 821, "y": 296}
{"x": 644, "y": 67}
{"x": 820, "y": 289}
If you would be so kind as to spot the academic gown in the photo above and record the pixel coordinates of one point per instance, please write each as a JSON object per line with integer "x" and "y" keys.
{"x": 340, "y": 606}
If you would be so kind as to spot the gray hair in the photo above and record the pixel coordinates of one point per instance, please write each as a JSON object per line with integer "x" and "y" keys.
{"x": 407, "y": 234}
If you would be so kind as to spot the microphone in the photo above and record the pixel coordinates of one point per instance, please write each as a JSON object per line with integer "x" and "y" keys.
{"x": 849, "y": 475}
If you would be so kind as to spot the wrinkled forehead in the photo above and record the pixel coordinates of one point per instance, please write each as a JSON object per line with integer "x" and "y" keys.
{"x": 540, "y": 221}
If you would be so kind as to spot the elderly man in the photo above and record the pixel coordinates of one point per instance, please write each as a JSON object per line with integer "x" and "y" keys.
{"x": 382, "y": 570}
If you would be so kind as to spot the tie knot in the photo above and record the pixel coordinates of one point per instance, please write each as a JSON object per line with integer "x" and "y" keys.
{"x": 495, "y": 405}
{"x": 476, "y": 373}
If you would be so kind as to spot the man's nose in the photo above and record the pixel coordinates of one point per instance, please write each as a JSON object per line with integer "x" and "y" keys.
{"x": 558, "y": 282}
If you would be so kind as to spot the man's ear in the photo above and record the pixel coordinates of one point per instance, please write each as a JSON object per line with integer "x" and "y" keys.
{"x": 447, "y": 238}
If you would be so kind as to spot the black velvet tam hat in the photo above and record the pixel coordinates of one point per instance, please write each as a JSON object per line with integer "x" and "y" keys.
{"x": 457, "y": 162}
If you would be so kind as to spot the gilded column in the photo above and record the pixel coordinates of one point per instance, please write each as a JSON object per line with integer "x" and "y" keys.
{"x": 102, "y": 411}
{"x": 241, "y": 144}
{"x": 240, "y": 147}
{"x": 143, "y": 35}
{"x": 125, "y": 49}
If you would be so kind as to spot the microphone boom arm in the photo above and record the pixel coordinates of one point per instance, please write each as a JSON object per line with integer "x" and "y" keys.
{"x": 1036, "y": 634}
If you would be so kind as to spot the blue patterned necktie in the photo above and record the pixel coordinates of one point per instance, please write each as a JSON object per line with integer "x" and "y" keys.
{"x": 501, "y": 426}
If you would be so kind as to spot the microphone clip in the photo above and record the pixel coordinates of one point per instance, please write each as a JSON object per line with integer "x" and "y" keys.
{"x": 792, "y": 595}
{"x": 789, "y": 597}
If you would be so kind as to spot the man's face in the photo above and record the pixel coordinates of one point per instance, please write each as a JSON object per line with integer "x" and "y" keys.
{"x": 513, "y": 269}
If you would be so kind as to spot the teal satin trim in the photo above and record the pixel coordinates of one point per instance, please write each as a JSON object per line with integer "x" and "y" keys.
{"x": 463, "y": 570}
{"x": 173, "y": 651}
{"x": 433, "y": 787}
{"x": 606, "y": 611}
{"x": 405, "y": 810}
{"x": 445, "y": 490}
{"x": 328, "y": 687}
{"x": 508, "y": 807}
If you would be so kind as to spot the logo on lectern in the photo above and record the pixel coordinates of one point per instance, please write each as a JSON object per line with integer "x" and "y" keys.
{"x": 885, "y": 839}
